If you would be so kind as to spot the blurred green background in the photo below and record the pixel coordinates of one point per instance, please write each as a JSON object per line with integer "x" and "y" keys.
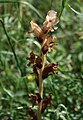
{"x": 17, "y": 80}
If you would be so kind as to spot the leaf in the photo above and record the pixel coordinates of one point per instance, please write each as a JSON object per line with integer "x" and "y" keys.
{"x": 35, "y": 42}
{"x": 23, "y": 2}
{"x": 62, "y": 117}
{"x": 32, "y": 7}
{"x": 74, "y": 10}
{"x": 6, "y": 52}
{"x": 62, "y": 106}
{"x": 8, "y": 92}
{"x": 62, "y": 7}
{"x": 63, "y": 3}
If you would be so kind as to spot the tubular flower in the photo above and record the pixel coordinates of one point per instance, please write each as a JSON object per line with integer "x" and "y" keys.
{"x": 32, "y": 114}
{"x": 46, "y": 102}
{"x": 36, "y": 98}
{"x": 48, "y": 69}
{"x": 50, "y": 20}
{"x": 35, "y": 60}
{"x": 48, "y": 43}
{"x": 36, "y": 71}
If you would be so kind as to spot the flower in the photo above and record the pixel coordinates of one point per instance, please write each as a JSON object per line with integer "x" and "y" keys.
{"x": 48, "y": 69}
{"x": 36, "y": 98}
{"x": 48, "y": 43}
{"x": 50, "y": 20}
{"x": 32, "y": 114}
{"x": 35, "y": 60}
{"x": 46, "y": 102}
{"x": 37, "y": 30}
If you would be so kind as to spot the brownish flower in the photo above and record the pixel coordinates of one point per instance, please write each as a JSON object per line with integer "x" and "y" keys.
{"x": 31, "y": 58}
{"x": 46, "y": 102}
{"x": 50, "y": 21}
{"x": 48, "y": 69}
{"x": 36, "y": 71}
{"x": 51, "y": 68}
{"x": 48, "y": 43}
{"x": 35, "y": 98}
{"x": 37, "y": 30}
{"x": 35, "y": 60}
{"x": 32, "y": 114}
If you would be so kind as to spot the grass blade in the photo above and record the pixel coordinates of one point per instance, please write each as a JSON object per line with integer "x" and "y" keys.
{"x": 74, "y": 10}
{"x": 23, "y": 2}
{"x": 62, "y": 7}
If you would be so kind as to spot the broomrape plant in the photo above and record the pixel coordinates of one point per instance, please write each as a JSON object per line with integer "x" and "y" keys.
{"x": 41, "y": 69}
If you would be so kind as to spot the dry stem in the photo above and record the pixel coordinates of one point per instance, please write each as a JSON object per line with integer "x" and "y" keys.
{"x": 41, "y": 87}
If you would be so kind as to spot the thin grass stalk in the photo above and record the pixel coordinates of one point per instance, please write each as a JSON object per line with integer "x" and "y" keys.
{"x": 9, "y": 41}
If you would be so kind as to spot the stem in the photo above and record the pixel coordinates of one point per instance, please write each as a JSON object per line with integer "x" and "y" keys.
{"x": 41, "y": 87}
{"x": 14, "y": 53}
{"x": 8, "y": 38}
{"x": 62, "y": 8}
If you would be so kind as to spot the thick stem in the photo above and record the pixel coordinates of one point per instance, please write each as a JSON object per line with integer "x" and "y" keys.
{"x": 41, "y": 87}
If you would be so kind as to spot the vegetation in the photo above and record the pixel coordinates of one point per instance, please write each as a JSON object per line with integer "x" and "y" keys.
{"x": 18, "y": 81}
